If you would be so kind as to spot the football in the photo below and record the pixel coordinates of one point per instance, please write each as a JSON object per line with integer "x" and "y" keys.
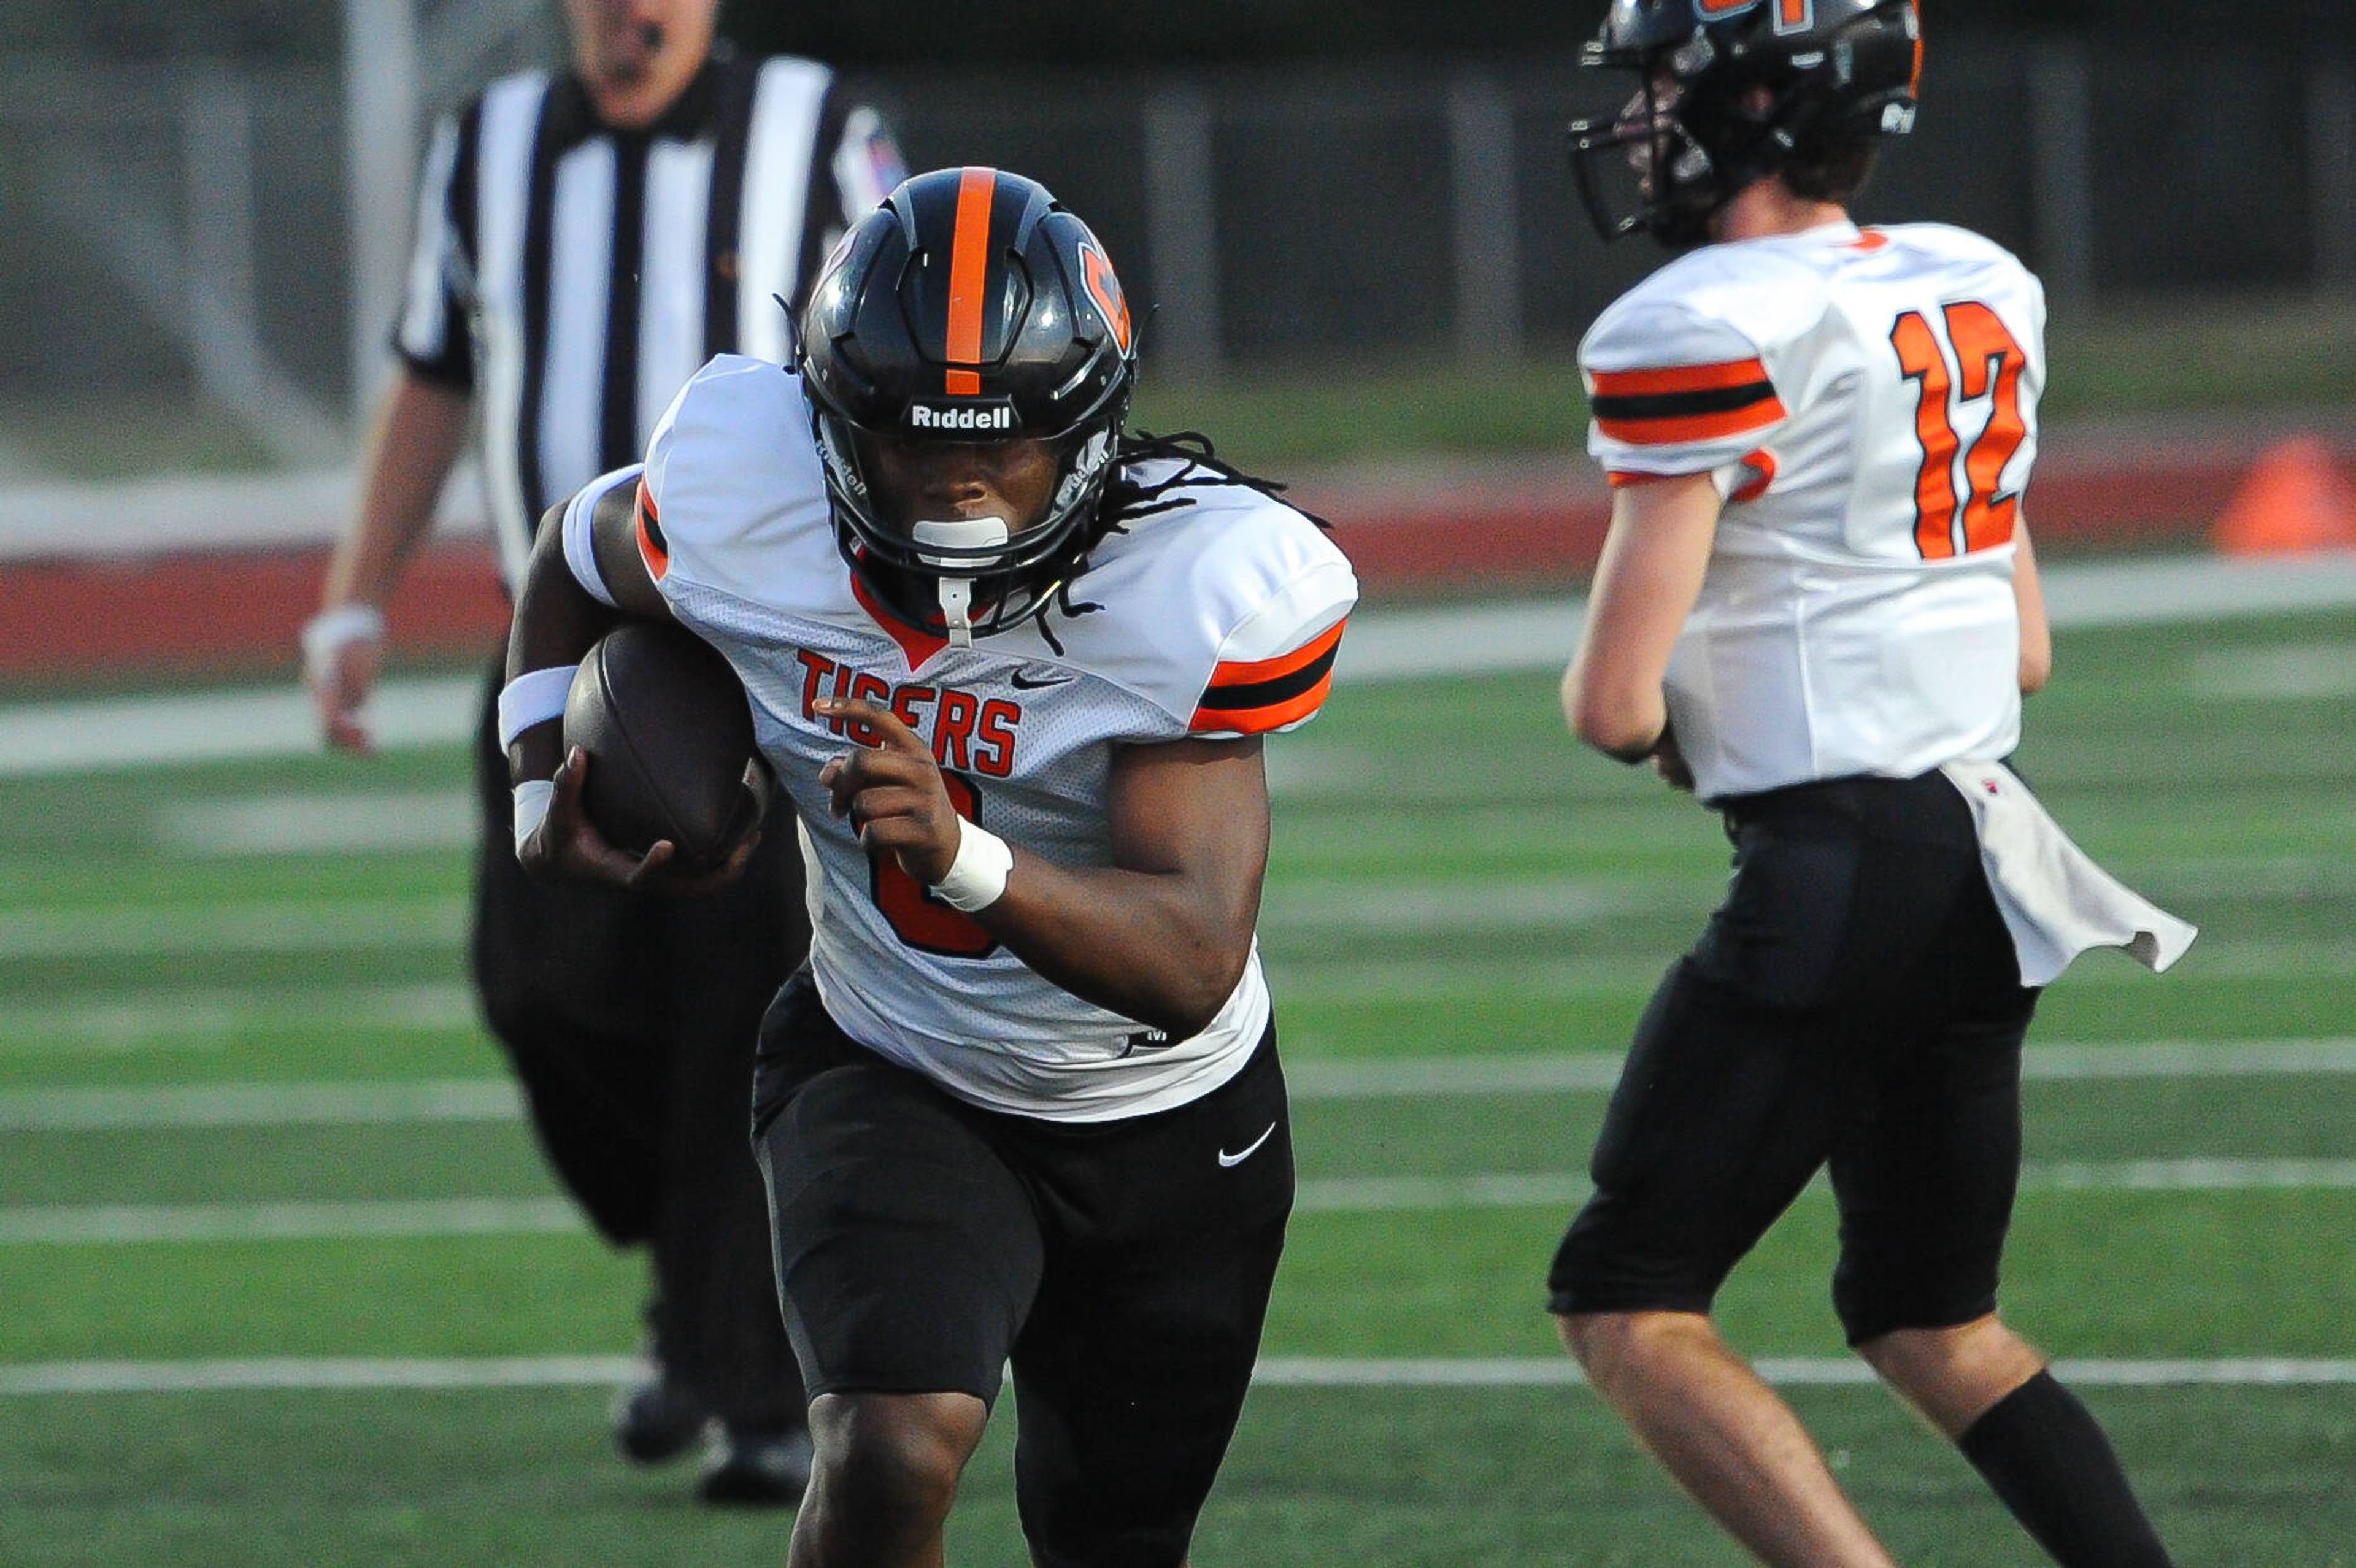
{"x": 669, "y": 737}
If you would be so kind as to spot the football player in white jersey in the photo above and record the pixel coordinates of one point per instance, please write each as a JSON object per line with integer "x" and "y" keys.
{"x": 1816, "y": 608}
{"x": 1013, "y": 666}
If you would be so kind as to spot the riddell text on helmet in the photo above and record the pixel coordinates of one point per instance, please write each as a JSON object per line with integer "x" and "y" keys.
{"x": 924, "y": 416}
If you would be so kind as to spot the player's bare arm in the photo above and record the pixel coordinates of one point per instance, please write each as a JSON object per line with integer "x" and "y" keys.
{"x": 1645, "y": 585}
{"x": 2036, "y": 631}
{"x": 415, "y": 442}
{"x": 1160, "y": 935}
{"x": 557, "y": 622}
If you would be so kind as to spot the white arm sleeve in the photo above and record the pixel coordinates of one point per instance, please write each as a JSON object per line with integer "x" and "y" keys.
{"x": 579, "y": 539}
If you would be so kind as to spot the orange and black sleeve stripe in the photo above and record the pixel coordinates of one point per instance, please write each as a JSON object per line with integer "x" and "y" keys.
{"x": 1686, "y": 402}
{"x": 653, "y": 547}
{"x": 1268, "y": 694}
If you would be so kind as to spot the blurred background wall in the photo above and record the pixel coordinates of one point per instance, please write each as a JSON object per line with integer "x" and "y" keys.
{"x": 205, "y": 207}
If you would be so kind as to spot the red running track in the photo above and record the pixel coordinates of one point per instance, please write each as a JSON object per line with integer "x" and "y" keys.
{"x": 237, "y": 613}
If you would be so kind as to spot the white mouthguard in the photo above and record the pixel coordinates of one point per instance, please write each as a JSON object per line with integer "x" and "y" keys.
{"x": 956, "y": 593}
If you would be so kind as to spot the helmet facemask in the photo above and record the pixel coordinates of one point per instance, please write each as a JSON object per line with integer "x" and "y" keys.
{"x": 1642, "y": 170}
{"x": 973, "y": 576}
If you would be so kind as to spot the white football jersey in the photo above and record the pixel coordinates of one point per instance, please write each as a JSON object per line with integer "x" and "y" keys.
{"x": 1866, "y": 401}
{"x": 1218, "y": 618}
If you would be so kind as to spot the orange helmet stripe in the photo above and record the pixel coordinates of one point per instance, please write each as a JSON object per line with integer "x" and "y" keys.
{"x": 968, "y": 271}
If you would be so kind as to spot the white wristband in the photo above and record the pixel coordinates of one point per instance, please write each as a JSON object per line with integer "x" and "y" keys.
{"x": 532, "y": 798}
{"x": 977, "y": 878}
{"x": 533, "y": 697}
{"x": 330, "y": 631}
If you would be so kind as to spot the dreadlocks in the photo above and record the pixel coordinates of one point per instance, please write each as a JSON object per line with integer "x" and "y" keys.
{"x": 1129, "y": 498}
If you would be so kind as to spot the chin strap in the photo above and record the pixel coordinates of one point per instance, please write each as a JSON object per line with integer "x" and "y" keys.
{"x": 956, "y": 593}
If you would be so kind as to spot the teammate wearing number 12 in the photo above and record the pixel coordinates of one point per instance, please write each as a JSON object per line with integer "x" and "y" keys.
{"x": 1816, "y": 608}
{"x": 1013, "y": 666}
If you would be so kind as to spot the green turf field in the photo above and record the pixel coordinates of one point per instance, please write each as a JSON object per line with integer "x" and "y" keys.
{"x": 1454, "y": 883}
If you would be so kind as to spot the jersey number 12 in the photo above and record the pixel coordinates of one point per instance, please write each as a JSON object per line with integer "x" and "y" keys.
{"x": 1977, "y": 358}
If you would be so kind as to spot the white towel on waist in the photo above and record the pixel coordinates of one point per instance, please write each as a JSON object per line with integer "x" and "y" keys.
{"x": 2055, "y": 901}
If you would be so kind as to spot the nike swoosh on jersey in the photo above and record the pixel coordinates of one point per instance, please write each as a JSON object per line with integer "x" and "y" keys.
{"x": 1058, "y": 678}
{"x": 1229, "y": 1161}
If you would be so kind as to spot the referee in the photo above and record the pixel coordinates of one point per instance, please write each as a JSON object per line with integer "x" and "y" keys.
{"x": 585, "y": 241}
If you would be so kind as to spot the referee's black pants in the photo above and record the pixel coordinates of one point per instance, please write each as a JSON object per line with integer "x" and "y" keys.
{"x": 631, "y": 1022}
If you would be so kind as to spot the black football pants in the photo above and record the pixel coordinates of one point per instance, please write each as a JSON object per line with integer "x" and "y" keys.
{"x": 631, "y": 1023}
{"x": 1854, "y": 1004}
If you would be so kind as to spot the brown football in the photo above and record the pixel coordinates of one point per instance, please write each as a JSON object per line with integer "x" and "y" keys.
{"x": 669, "y": 737}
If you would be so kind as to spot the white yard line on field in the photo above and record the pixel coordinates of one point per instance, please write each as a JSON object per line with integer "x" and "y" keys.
{"x": 1383, "y": 644}
{"x": 1416, "y": 1077}
{"x": 1564, "y": 1189}
{"x": 325, "y": 926}
{"x": 359, "y": 1218}
{"x": 346, "y": 1374}
{"x": 354, "y": 823}
{"x": 260, "y": 1105}
{"x": 117, "y": 1224}
{"x": 319, "y": 1372}
{"x": 108, "y": 734}
{"x": 496, "y": 1100}
{"x": 202, "y": 1019}
{"x": 1787, "y": 1372}
{"x": 2171, "y": 588}
{"x": 1407, "y": 644}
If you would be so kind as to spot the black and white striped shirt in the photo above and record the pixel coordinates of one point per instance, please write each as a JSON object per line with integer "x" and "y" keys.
{"x": 575, "y": 276}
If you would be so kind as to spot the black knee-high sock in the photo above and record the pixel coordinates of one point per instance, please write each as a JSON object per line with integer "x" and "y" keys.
{"x": 2045, "y": 1456}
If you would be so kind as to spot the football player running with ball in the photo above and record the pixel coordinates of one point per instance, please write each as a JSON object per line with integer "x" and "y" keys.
{"x": 1013, "y": 666}
{"x": 1816, "y": 608}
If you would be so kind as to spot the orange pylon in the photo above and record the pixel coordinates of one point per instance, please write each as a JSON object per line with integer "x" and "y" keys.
{"x": 2295, "y": 500}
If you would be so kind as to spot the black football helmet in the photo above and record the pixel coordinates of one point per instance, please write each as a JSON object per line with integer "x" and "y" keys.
{"x": 1697, "y": 132}
{"x": 970, "y": 307}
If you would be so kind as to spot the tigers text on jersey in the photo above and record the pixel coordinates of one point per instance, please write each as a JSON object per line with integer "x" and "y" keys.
{"x": 1217, "y": 618}
{"x": 1866, "y": 401}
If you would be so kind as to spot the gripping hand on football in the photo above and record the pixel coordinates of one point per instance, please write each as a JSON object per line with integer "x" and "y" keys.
{"x": 566, "y": 844}
{"x": 891, "y": 791}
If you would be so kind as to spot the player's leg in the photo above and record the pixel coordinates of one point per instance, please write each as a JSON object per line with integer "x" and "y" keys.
{"x": 1742, "y": 1073}
{"x": 886, "y": 1474}
{"x": 1926, "y": 1182}
{"x": 1720, "y": 1118}
{"x": 1131, "y": 1370}
{"x": 1722, "y": 1433}
{"x": 725, "y": 955}
{"x": 907, "y": 1255}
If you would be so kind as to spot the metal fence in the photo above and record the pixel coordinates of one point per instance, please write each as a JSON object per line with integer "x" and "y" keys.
{"x": 237, "y": 231}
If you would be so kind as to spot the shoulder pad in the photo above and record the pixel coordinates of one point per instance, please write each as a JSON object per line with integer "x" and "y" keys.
{"x": 731, "y": 470}
{"x": 1223, "y": 612}
{"x": 1676, "y": 387}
